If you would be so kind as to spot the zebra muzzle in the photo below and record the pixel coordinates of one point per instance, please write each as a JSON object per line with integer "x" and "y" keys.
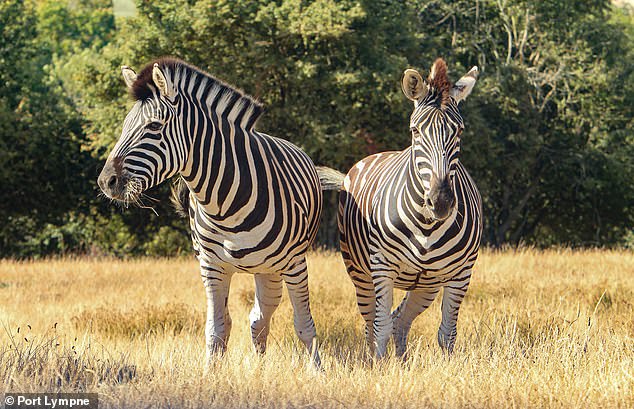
{"x": 441, "y": 199}
{"x": 112, "y": 182}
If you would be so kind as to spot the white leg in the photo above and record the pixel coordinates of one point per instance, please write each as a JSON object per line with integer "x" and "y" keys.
{"x": 297, "y": 285}
{"x": 218, "y": 324}
{"x": 268, "y": 294}
{"x": 414, "y": 303}
{"x": 452, "y": 297}
{"x": 384, "y": 291}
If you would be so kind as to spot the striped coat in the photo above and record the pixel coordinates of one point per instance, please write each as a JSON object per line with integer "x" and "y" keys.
{"x": 253, "y": 200}
{"x": 412, "y": 219}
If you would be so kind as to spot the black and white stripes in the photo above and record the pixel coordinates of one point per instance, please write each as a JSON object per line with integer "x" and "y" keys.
{"x": 254, "y": 200}
{"x": 412, "y": 219}
{"x": 408, "y": 219}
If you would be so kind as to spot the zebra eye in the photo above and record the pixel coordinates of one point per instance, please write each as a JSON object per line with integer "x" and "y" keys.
{"x": 154, "y": 126}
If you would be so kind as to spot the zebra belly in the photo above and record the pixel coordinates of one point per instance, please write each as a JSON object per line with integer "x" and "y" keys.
{"x": 414, "y": 267}
{"x": 250, "y": 251}
{"x": 424, "y": 277}
{"x": 227, "y": 255}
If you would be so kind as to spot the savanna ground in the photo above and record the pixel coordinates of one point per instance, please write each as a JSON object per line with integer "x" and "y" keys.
{"x": 537, "y": 329}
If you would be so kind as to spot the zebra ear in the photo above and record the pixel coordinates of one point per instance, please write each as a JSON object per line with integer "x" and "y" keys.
{"x": 464, "y": 86}
{"x": 129, "y": 76}
{"x": 161, "y": 82}
{"x": 413, "y": 85}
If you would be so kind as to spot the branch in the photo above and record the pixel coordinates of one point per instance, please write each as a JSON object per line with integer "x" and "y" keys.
{"x": 509, "y": 33}
{"x": 524, "y": 37}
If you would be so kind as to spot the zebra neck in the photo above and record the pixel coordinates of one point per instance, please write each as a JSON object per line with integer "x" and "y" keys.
{"x": 220, "y": 170}
{"x": 219, "y": 121}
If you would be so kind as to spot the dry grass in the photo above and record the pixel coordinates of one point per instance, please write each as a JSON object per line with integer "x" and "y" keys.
{"x": 537, "y": 329}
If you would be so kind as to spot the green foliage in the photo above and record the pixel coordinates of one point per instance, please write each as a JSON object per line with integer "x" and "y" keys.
{"x": 42, "y": 168}
{"x": 549, "y": 134}
{"x": 75, "y": 234}
{"x": 168, "y": 242}
{"x": 95, "y": 234}
{"x": 63, "y": 29}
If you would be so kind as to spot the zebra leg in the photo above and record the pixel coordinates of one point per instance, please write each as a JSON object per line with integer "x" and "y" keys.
{"x": 414, "y": 303}
{"x": 366, "y": 302}
{"x": 218, "y": 324}
{"x": 268, "y": 294}
{"x": 227, "y": 324}
{"x": 384, "y": 292}
{"x": 297, "y": 286}
{"x": 451, "y": 299}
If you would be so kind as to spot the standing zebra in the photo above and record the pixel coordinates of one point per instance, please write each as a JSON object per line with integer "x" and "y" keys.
{"x": 254, "y": 200}
{"x": 411, "y": 219}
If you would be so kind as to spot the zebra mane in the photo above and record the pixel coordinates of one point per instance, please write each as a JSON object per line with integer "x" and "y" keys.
{"x": 144, "y": 86}
{"x": 439, "y": 83}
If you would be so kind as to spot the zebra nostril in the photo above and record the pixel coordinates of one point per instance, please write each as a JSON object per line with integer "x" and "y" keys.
{"x": 112, "y": 182}
{"x": 429, "y": 203}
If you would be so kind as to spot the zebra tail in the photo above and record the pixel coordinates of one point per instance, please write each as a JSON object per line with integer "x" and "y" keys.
{"x": 330, "y": 178}
{"x": 180, "y": 197}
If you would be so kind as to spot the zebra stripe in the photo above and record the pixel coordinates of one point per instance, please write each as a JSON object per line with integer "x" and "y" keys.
{"x": 412, "y": 219}
{"x": 254, "y": 200}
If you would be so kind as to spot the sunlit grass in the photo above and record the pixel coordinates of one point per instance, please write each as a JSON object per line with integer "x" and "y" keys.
{"x": 537, "y": 329}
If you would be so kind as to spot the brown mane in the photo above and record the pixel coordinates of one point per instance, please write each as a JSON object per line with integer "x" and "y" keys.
{"x": 142, "y": 87}
{"x": 439, "y": 82}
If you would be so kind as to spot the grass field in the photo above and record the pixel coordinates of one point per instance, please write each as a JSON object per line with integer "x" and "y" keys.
{"x": 537, "y": 329}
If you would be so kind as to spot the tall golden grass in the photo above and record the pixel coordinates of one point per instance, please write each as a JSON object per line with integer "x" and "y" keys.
{"x": 537, "y": 329}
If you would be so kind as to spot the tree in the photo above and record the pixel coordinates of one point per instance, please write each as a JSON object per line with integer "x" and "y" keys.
{"x": 41, "y": 164}
{"x": 548, "y": 134}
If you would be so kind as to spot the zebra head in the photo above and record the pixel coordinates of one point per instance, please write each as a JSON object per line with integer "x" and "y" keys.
{"x": 149, "y": 149}
{"x": 436, "y": 125}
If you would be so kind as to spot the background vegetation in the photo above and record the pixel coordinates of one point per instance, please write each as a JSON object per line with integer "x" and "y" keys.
{"x": 549, "y": 129}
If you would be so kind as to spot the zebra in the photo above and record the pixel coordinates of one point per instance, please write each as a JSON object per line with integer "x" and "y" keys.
{"x": 253, "y": 200}
{"x": 412, "y": 219}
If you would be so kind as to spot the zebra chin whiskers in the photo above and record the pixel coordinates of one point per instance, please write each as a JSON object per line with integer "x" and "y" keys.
{"x": 134, "y": 195}
{"x": 139, "y": 203}
{"x": 132, "y": 192}
{"x": 102, "y": 195}
{"x": 428, "y": 214}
